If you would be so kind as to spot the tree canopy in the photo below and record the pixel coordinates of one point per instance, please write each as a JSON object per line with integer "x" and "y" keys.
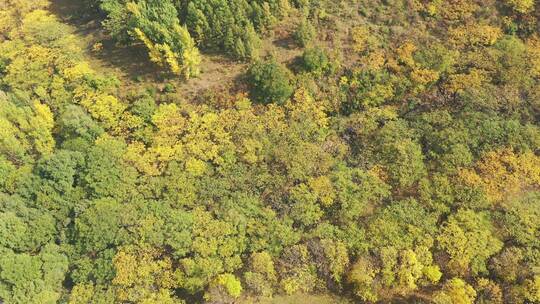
{"x": 379, "y": 151}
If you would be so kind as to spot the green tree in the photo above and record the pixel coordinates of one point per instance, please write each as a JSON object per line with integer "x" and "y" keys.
{"x": 270, "y": 82}
{"x": 315, "y": 60}
{"x": 469, "y": 240}
{"x": 156, "y": 25}
{"x": 305, "y": 33}
{"x": 34, "y": 279}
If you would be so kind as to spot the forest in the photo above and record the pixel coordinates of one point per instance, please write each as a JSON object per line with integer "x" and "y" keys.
{"x": 269, "y": 151}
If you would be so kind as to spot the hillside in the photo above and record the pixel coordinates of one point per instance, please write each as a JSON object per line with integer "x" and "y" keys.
{"x": 269, "y": 151}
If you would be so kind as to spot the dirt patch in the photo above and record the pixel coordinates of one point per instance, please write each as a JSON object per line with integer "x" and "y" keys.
{"x": 299, "y": 299}
{"x": 131, "y": 65}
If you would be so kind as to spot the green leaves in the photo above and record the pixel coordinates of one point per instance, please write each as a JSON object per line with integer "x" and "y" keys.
{"x": 26, "y": 278}
{"x": 407, "y": 172}
{"x": 232, "y": 27}
{"x": 270, "y": 82}
{"x": 101, "y": 226}
{"x": 469, "y": 240}
{"x": 156, "y": 25}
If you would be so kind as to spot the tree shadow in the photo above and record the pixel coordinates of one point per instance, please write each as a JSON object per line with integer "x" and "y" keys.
{"x": 286, "y": 42}
{"x": 76, "y": 13}
{"x": 132, "y": 62}
{"x": 132, "y": 65}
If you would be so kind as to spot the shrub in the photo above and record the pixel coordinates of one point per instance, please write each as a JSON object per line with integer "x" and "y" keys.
{"x": 316, "y": 61}
{"x": 305, "y": 33}
{"x": 270, "y": 82}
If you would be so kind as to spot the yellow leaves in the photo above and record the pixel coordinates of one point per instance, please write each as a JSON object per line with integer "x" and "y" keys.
{"x": 336, "y": 253}
{"x": 41, "y": 128}
{"x": 459, "y": 83}
{"x": 30, "y": 68}
{"x": 127, "y": 123}
{"x": 170, "y": 123}
{"x": 44, "y": 48}
{"x": 274, "y": 118}
{"x": 125, "y": 265}
{"x": 360, "y": 37}
{"x": 97, "y": 47}
{"x": 77, "y": 72}
{"x": 307, "y": 112}
{"x": 374, "y": 61}
{"x": 25, "y": 130}
{"x": 11, "y": 12}
{"x": 290, "y": 285}
{"x": 261, "y": 262}
{"x": 378, "y": 94}
{"x": 230, "y": 283}
{"x": 521, "y": 6}
{"x": 7, "y": 21}
{"x": 103, "y": 107}
{"x": 159, "y": 52}
{"x": 212, "y": 237}
{"x": 183, "y": 62}
{"x": 409, "y": 271}
{"x": 133, "y": 8}
{"x": 251, "y": 150}
{"x": 474, "y": 35}
{"x": 432, "y": 273}
{"x": 34, "y": 22}
{"x": 171, "y": 59}
{"x": 405, "y": 53}
{"x": 379, "y": 172}
{"x": 190, "y": 57}
{"x": 405, "y": 62}
{"x": 487, "y": 34}
{"x": 432, "y": 7}
{"x": 12, "y": 145}
{"x": 533, "y": 288}
{"x": 364, "y": 39}
{"x": 364, "y": 123}
{"x": 533, "y": 54}
{"x": 324, "y": 190}
{"x": 81, "y": 294}
{"x": 503, "y": 173}
{"x": 206, "y": 138}
{"x": 191, "y": 140}
{"x": 191, "y": 61}
{"x": 195, "y": 167}
{"x": 455, "y": 291}
{"x": 470, "y": 177}
{"x": 142, "y": 274}
{"x": 424, "y": 76}
{"x": 162, "y": 296}
{"x": 144, "y": 161}
{"x": 153, "y": 51}
{"x": 362, "y": 275}
{"x": 452, "y": 10}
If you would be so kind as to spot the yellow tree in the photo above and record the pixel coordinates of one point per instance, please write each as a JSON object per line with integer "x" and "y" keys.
{"x": 503, "y": 173}
{"x": 455, "y": 291}
{"x": 169, "y": 44}
{"x": 25, "y": 131}
{"x": 12, "y": 12}
{"x": 521, "y": 6}
{"x": 143, "y": 275}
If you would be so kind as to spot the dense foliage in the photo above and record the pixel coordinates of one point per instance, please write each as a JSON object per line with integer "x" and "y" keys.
{"x": 396, "y": 160}
{"x": 234, "y": 27}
